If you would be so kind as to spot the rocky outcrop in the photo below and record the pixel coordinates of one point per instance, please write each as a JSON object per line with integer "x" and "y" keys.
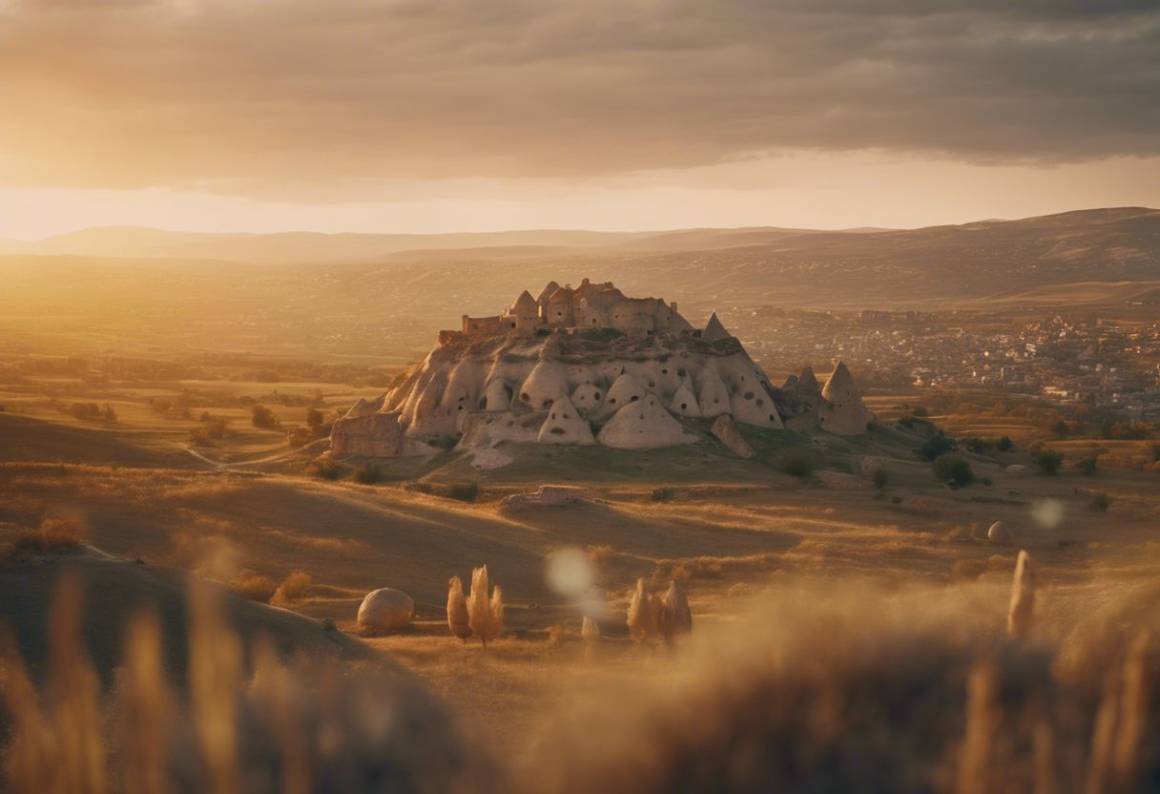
{"x": 547, "y": 496}
{"x": 598, "y": 352}
{"x": 726, "y": 432}
{"x": 375, "y": 435}
{"x": 842, "y": 411}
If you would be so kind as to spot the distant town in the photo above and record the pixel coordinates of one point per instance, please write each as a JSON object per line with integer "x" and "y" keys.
{"x": 1059, "y": 357}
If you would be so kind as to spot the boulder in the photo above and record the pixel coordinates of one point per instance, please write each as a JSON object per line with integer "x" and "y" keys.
{"x": 385, "y": 610}
{"x": 547, "y": 496}
{"x": 726, "y": 432}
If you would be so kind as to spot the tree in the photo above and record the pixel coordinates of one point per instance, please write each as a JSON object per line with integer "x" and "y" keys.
{"x": 457, "y": 619}
{"x": 936, "y": 445}
{"x": 484, "y": 615}
{"x": 314, "y": 419}
{"x": 642, "y": 619}
{"x": 263, "y": 418}
{"x": 1049, "y": 461}
{"x": 675, "y": 617}
{"x": 953, "y": 469}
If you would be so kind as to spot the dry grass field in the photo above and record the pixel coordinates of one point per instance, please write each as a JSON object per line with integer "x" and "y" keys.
{"x": 874, "y": 589}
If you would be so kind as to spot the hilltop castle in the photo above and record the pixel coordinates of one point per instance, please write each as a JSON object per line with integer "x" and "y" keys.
{"x": 587, "y": 306}
{"x": 589, "y": 365}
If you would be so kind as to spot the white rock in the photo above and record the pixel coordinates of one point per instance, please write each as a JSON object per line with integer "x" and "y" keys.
{"x": 385, "y": 610}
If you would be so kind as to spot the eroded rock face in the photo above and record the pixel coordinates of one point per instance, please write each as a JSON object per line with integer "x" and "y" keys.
{"x": 842, "y": 411}
{"x": 644, "y": 424}
{"x": 498, "y": 381}
{"x": 374, "y": 435}
{"x": 385, "y": 610}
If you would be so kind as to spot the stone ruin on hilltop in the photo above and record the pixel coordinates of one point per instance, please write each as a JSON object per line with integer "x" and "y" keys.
{"x": 589, "y": 366}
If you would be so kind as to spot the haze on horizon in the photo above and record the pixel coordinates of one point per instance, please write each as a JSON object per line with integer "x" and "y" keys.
{"x": 408, "y": 116}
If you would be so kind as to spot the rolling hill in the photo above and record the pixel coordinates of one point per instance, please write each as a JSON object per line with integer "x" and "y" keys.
{"x": 366, "y": 293}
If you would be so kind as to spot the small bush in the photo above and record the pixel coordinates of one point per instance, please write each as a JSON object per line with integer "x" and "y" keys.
{"x": 53, "y": 536}
{"x": 324, "y": 469}
{"x": 368, "y": 474}
{"x": 254, "y": 586}
{"x": 314, "y": 419}
{"x": 1005, "y": 444}
{"x": 664, "y": 494}
{"x": 600, "y": 553}
{"x": 1088, "y": 465}
{"x": 1156, "y": 453}
{"x": 88, "y": 412}
{"x": 1100, "y": 502}
{"x": 953, "y": 469}
{"x": 464, "y": 491}
{"x": 299, "y": 436}
{"x": 263, "y": 418}
{"x": 293, "y": 589}
{"x": 881, "y": 478}
{"x": 214, "y": 427}
{"x": 799, "y": 466}
{"x": 936, "y": 446}
{"x": 1049, "y": 462}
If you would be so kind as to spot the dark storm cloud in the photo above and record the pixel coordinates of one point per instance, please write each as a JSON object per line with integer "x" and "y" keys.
{"x": 267, "y": 97}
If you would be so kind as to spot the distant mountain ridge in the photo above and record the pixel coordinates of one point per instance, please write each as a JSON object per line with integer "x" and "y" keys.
{"x": 372, "y": 294}
{"x": 1133, "y": 228}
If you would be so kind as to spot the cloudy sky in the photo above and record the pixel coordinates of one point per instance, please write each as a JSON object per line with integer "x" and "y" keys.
{"x": 422, "y": 115}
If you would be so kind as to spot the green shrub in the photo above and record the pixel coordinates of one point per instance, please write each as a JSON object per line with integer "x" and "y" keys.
{"x": 799, "y": 466}
{"x": 368, "y": 474}
{"x": 445, "y": 443}
{"x": 936, "y": 446}
{"x": 953, "y": 469}
{"x": 881, "y": 477}
{"x": 314, "y": 419}
{"x": 1005, "y": 444}
{"x": 664, "y": 494}
{"x": 324, "y": 469}
{"x": 1100, "y": 501}
{"x": 1088, "y": 465}
{"x": 1049, "y": 461}
{"x": 263, "y": 418}
{"x": 464, "y": 491}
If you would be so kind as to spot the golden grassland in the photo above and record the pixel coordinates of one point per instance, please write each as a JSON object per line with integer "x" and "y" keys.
{"x": 846, "y": 636}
